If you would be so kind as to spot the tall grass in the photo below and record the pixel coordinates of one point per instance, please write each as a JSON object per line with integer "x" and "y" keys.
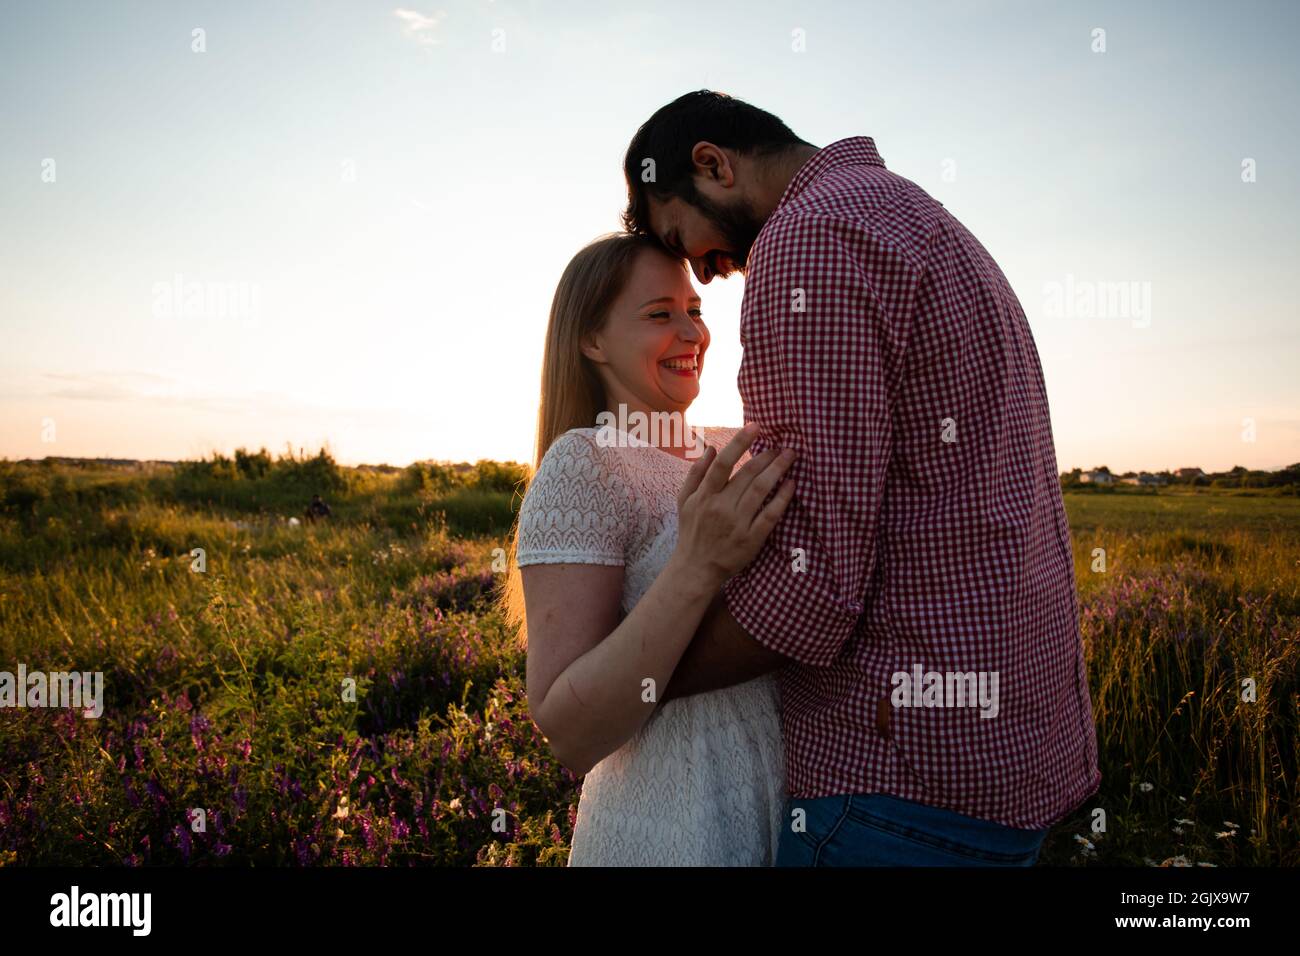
{"x": 343, "y": 693}
{"x": 1193, "y": 651}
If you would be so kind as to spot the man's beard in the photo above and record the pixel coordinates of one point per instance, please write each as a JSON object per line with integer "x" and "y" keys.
{"x": 738, "y": 225}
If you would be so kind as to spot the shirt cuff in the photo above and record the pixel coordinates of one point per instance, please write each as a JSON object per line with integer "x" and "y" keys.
{"x": 811, "y": 632}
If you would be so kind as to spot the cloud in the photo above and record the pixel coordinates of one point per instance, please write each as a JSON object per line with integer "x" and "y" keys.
{"x": 160, "y": 391}
{"x": 106, "y": 387}
{"x": 420, "y": 28}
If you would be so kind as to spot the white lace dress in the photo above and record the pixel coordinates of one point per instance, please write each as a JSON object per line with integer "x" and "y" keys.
{"x": 703, "y": 782}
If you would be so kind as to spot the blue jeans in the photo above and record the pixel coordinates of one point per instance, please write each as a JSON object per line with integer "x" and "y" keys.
{"x": 875, "y": 829}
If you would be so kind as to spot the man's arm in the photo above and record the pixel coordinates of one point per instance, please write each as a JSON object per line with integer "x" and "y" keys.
{"x": 721, "y": 654}
{"x": 815, "y": 379}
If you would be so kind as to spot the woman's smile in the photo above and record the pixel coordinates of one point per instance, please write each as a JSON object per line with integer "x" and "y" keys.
{"x": 685, "y": 365}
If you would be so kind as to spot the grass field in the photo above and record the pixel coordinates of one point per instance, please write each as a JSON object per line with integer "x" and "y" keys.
{"x": 227, "y": 689}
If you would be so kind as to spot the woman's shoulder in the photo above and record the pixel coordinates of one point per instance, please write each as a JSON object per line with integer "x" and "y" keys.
{"x": 582, "y": 453}
{"x": 588, "y": 442}
{"x": 574, "y": 445}
{"x": 611, "y": 448}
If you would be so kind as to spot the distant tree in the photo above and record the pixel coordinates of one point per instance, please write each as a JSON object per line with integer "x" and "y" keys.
{"x": 252, "y": 466}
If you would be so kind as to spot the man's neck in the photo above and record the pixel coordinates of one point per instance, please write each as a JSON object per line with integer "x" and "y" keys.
{"x": 774, "y": 176}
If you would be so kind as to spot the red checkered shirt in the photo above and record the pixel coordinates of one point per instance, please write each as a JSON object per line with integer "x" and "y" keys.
{"x": 883, "y": 343}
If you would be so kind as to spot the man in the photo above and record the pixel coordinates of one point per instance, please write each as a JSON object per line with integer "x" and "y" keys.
{"x": 919, "y": 593}
{"x": 317, "y": 509}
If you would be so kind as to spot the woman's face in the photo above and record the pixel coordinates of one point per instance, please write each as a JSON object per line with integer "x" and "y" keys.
{"x": 650, "y": 351}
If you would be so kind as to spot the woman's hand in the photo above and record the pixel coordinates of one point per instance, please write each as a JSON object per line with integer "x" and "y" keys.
{"x": 721, "y": 519}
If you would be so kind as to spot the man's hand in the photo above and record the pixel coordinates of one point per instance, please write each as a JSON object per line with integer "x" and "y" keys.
{"x": 720, "y": 655}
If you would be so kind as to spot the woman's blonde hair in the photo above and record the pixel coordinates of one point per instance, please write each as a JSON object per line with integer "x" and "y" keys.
{"x": 572, "y": 394}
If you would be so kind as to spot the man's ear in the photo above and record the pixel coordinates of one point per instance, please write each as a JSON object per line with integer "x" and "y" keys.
{"x": 713, "y": 163}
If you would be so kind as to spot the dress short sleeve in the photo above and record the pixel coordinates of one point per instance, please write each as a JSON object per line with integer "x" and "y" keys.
{"x": 576, "y": 509}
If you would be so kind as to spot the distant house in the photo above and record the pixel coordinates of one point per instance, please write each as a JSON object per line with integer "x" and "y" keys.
{"x": 1145, "y": 480}
{"x": 1192, "y": 473}
{"x": 1100, "y": 477}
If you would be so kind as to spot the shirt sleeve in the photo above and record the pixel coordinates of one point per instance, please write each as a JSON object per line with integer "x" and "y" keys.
{"x": 576, "y": 509}
{"x": 813, "y": 375}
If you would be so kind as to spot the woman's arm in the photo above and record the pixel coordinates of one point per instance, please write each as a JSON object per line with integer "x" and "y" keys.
{"x": 600, "y": 697}
{"x": 593, "y": 681}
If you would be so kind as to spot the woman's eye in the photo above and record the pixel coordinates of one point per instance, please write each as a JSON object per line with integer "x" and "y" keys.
{"x": 663, "y": 315}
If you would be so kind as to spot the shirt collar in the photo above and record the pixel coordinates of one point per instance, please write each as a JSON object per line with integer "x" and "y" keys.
{"x": 854, "y": 151}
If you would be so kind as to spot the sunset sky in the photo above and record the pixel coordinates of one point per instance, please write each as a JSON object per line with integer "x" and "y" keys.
{"x": 392, "y": 192}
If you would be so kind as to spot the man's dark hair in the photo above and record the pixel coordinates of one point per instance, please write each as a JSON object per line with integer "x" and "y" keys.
{"x": 668, "y": 136}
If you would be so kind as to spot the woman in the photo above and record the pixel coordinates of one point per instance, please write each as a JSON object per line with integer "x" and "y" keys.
{"x": 620, "y": 547}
